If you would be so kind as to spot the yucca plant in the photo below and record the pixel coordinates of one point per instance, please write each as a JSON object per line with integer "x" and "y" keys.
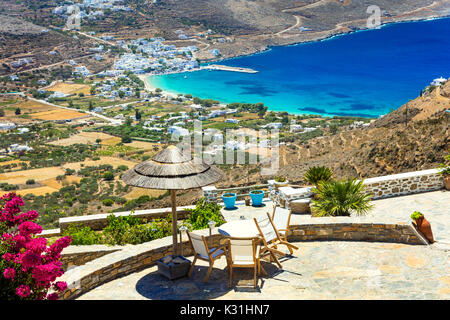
{"x": 315, "y": 175}
{"x": 341, "y": 198}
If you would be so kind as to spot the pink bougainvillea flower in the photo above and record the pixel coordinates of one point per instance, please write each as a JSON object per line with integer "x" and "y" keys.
{"x": 29, "y": 215}
{"x": 52, "y": 296}
{"x": 53, "y": 253}
{"x": 60, "y": 286}
{"x": 37, "y": 245}
{"x": 31, "y": 259}
{"x": 7, "y": 256}
{"x": 28, "y": 227}
{"x": 36, "y": 266}
{"x": 9, "y": 273}
{"x": 23, "y": 291}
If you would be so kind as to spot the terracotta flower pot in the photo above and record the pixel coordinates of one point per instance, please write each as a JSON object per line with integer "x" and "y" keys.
{"x": 425, "y": 227}
{"x": 447, "y": 182}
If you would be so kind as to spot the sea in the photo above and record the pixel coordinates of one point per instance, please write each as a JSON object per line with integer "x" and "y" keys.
{"x": 365, "y": 73}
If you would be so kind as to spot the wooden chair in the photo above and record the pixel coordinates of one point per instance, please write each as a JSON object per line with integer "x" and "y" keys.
{"x": 271, "y": 238}
{"x": 281, "y": 219}
{"x": 244, "y": 253}
{"x": 202, "y": 252}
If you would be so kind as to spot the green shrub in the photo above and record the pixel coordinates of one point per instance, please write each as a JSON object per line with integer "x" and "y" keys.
{"x": 341, "y": 198}
{"x": 108, "y": 176}
{"x": 82, "y": 235}
{"x": 445, "y": 167}
{"x": 108, "y": 202}
{"x": 30, "y": 181}
{"x": 315, "y": 175}
{"x": 204, "y": 212}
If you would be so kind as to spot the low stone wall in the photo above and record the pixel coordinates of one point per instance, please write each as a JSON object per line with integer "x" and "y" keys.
{"x": 375, "y": 232}
{"x": 118, "y": 264}
{"x": 100, "y": 221}
{"x": 404, "y": 183}
{"x": 135, "y": 258}
{"x": 80, "y": 255}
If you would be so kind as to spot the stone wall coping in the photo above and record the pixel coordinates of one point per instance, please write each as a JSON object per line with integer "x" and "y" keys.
{"x": 74, "y": 249}
{"x": 401, "y": 176}
{"x": 104, "y": 216}
{"x": 49, "y": 233}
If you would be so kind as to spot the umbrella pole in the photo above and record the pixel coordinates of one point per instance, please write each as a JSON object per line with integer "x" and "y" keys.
{"x": 174, "y": 221}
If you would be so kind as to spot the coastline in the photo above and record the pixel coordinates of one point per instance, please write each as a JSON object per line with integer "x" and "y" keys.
{"x": 149, "y": 86}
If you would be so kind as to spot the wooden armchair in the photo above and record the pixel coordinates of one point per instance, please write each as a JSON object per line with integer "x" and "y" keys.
{"x": 244, "y": 253}
{"x": 281, "y": 219}
{"x": 271, "y": 238}
{"x": 202, "y": 252}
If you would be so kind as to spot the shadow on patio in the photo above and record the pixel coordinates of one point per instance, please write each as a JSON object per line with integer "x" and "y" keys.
{"x": 157, "y": 287}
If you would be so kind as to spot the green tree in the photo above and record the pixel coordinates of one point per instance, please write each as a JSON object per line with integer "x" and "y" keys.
{"x": 18, "y": 111}
{"x": 108, "y": 176}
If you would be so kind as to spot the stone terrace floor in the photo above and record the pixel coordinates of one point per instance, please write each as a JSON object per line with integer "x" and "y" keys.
{"x": 320, "y": 270}
{"x": 434, "y": 205}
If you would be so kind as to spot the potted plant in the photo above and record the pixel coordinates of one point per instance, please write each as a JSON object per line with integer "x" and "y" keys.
{"x": 445, "y": 171}
{"x": 280, "y": 181}
{"x": 257, "y": 197}
{"x": 423, "y": 225}
{"x": 229, "y": 199}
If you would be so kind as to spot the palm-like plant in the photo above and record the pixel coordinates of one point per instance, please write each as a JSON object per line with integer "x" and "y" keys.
{"x": 341, "y": 198}
{"x": 315, "y": 175}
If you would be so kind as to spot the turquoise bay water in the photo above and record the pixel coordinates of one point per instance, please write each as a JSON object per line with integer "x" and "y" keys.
{"x": 365, "y": 73}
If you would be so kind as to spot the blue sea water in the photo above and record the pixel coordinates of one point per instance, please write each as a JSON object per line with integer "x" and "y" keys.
{"x": 366, "y": 73}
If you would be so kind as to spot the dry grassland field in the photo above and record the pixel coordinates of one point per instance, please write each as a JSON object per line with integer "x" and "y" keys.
{"x": 146, "y": 146}
{"x": 58, "y": 114}
{"x": 70, "y": 88}
{"x": 18, "y": 162}
{"x": 137, "y": 192}
{"x": 42, "y": 176}
{"x": 115, "y": 162}
{"x": 87, "y": 138}
{"x": 21, "y": 177}
{"x": 40, "y": 111}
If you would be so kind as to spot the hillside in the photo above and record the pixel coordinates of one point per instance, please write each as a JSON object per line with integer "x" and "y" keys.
{"x": 430, "y": 104}
{"x": 388, "y": 146}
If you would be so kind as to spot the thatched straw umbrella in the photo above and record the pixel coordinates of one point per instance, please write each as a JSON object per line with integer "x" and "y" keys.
{"x": 171, "y": 170}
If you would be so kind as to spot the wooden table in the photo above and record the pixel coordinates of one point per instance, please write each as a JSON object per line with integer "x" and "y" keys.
{"x": 239, "y": 229}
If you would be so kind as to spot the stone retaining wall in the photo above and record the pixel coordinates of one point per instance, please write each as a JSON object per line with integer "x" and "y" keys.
{"x": 376, "y": 232}
{"x": 135, "y": 258}
{"x": 118, "y": 264}
{"x": 80, "y": 255}
{"x": 404, "y": 183}
{"x": 100, "y": 221}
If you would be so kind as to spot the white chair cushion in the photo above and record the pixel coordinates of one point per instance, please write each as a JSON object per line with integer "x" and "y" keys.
{"x": 243, "y": 260}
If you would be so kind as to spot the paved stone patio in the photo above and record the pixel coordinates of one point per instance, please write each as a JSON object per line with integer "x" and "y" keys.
{"x": 321, "y": 270}
{"x": 318, "y": 270}
{"x": 434, "y": 205}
